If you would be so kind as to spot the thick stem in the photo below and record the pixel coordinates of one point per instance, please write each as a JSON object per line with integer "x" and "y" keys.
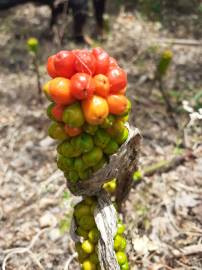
{"x": 38, "y": 77}
{"x": 169, "y": 107}
{"x": 126, "y": 170}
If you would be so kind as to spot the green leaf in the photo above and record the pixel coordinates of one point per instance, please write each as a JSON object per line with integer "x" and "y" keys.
{"x": 66, "y": 195}
{"x": 64, "y": 225}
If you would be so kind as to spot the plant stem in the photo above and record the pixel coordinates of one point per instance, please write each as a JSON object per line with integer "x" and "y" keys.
{"x": 38, "y": 77}
{"x": 169, "y": 107}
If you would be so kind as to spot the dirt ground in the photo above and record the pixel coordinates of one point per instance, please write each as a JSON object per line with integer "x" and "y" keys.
{"x": 164, "y": 211}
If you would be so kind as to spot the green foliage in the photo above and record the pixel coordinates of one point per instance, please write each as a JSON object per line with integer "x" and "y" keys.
{"x": 66, "y": 195}
{"x": 198, "y": 100}
{"x": 200, "y": 8}
{"x": 64, "y": 225}
{"x": 151, "y": 7}
{"x": 178, "y": 150}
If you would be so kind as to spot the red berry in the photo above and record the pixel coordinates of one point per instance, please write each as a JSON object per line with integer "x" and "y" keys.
{"x": 102, "y": 60}
{"x": 57, "y": 112}
{"x": 112, "y": 63}
{"x": 85, "y": 62}
{"x": 82, "y": 86}
{"x": 117, "y": 79}
{"x": 50, "y": 66}
{"x": 64, "y": 64}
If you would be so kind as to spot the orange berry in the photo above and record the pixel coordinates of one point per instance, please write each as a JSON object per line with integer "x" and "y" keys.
{"x": 59, "y": 90}
{"x": 122, "y": 91}
{"x": 46, "y": 90}
{"x": 95, "y": 110}
{"x": 117, "y": 104}
{"x": 102, "y": 85}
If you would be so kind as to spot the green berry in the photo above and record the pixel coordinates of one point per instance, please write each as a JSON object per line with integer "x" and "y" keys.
{"x": 90, "y": 129}
{"x": 89, "y": 200}
{"x": 94, "y": 235}
{"x": 101, "y": 138}
{"x": 123, "y": 137}
{"x": 72, "y": 176}
{"x": 111, "y": 148}
{"x": 81, "y": 210}
{"x": 56, "y": 131}
{"x": 81, "y": 232}
{"x": 125, "y": 266}
{"x": 84, "y": 175}
{"x": 87, "y": 222}
{"x": 87, "y": 246}
{"x": 121, "y": 257}
{"x": 83, "y": 143}
{"x": 93, "y": 157}
{"x": 94, "y": 258}
{"x": 120, "y": 228}
{"x": 100, "y": 164}
{"x": 73, "y": 115}
{"x": 79, "y": 164}
{"x": 82, "y": 255}
{"x": 108, "y": 122}
{"x": 88, "y": 265}
{"x": 64, "y": 164}
{"x": 66, "y": 149}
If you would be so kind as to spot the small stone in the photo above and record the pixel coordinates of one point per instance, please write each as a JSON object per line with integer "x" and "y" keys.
{"x": 47, "y": 220}
{"x": 46, "y": 202}
{"x": 46, "y": 142}
{"x": 55, "y": 234}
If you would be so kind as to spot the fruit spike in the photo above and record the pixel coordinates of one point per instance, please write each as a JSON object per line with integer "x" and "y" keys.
{"x": 89, "y": 109}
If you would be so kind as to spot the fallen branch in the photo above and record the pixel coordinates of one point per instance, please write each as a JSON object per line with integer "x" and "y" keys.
{"x": 189, "y": 250}
{"x": 169, "y": 107}
{"x": 165, "y": 165}
{"x": 27, "y": 249}
{"x": 186, "y": 42}
{"x": 70, "y": 259}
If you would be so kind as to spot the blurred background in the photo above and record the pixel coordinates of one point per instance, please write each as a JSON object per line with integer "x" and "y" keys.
{"x": 159, "y": 44}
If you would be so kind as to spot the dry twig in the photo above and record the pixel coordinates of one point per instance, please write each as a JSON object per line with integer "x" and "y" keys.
{"x": 27, "y": 249}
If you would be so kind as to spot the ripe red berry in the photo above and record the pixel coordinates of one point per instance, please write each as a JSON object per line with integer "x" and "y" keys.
{"x": 85, "y": 62}
{"x": 112, "y": 63}
{"x": 50, "y": 66}
{"x": 64, "y": 62}
{"x": 117, "y": 79}
{"x": 82, "y": 86}
{"x": 102, "y": 60}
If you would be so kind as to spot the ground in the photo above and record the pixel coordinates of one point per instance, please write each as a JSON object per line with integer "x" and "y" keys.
{"x": 164, "y": 211}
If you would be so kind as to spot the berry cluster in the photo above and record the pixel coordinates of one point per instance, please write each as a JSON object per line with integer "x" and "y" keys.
{"x": 89, "y": 235}
{"x": 89, "y": 109}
